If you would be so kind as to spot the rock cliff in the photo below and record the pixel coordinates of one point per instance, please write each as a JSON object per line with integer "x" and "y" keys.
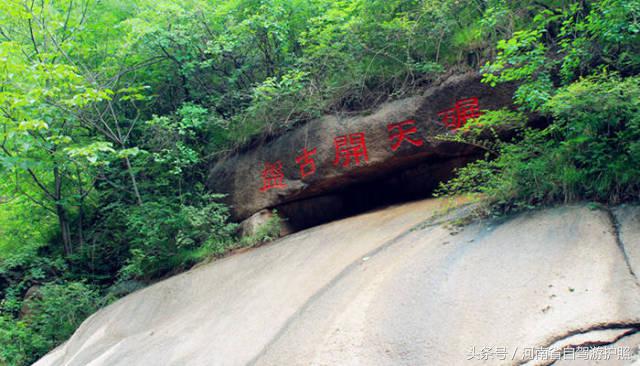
{"x": 327, "y": 166}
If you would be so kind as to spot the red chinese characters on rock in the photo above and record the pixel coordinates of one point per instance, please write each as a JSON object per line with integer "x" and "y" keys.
{"x": 352, "y": 147}
{"x": 272, "y": 176}
{"x": 306, "y": 162}
{"x": 402, "y": 131}
{"x": 464, "y": 110}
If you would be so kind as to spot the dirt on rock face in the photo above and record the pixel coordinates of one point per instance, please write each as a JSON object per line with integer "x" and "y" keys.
{"x": 335, "y": 153}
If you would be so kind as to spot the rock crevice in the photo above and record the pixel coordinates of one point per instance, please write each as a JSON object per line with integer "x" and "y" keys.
{"x": 598, "y": 335}
{"x": 615, "y": 226}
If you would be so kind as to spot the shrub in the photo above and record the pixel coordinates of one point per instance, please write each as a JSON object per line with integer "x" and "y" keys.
{"x": 50, "y": 317}
{"x": 267, "y": 232}
{"x": 591, "y": 151}
{"x": 166, "y": 235}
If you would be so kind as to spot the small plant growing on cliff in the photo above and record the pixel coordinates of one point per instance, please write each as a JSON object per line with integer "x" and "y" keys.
{"x": 489, "y": 131}
{"x": 267, "y": 232}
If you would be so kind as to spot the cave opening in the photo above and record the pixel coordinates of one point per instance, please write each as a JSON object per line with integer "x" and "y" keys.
{"x": 399, "y": 186}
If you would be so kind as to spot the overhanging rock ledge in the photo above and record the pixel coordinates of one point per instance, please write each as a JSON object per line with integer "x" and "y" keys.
{"x": 315, "y": 167}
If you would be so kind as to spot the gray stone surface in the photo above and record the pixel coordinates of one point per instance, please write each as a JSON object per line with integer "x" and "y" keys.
{"x": 370, "y": 290}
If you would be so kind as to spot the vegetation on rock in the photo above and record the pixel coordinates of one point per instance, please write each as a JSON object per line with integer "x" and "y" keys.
{"x": 578, "y": 67}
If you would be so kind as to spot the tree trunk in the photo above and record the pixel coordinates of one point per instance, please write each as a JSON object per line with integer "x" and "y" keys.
{"x": 133, "y": 181}
{"x": 81, "y": 195}
{"x": 61, "y": 212}
{"x": 80, "y": 224}
{"x": 63, "y": 221}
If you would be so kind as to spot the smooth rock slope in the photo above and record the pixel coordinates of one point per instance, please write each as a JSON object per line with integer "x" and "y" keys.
{"x": 391, "y": 287}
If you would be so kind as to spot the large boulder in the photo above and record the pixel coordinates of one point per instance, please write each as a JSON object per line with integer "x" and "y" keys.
{"x": 392, "y": 287}
{"x": 328, "y": 156}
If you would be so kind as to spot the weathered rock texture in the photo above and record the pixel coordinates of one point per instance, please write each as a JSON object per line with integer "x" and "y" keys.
{"x": 392, "y": 287}
{"x": 409, "y": 168}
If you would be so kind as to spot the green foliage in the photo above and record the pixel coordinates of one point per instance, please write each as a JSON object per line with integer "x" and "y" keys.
{"x": 25, "y": 226}
{"x": 486, "y": 131}
{"x": 568, "y": 43}
{"x": 112, "y": 111}
{"x": 268, "y": 231}
{"x": 167, "y": 236}
{"x": 600, "y": 126}
{"x": 50, "y": 316}
{"x": 590, "y": 152}
{"x": 576, "y": 65}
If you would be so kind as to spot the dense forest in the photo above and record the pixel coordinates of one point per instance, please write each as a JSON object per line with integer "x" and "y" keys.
{"x": 112, "y": 110}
